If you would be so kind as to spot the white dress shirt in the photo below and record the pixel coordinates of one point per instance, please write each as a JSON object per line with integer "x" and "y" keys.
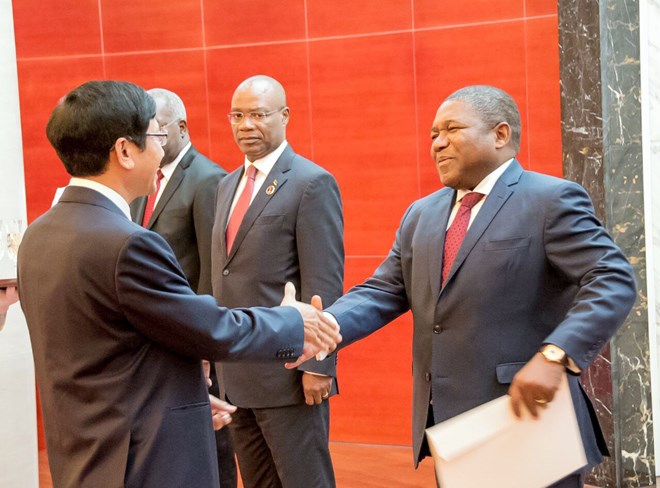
{"x": 106, "y": 191}
{"x": 263, "y": 165}
{"x": 168, "y": 171}
{"x": 485, "y": 186}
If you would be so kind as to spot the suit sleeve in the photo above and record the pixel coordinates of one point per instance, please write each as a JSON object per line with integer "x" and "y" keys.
{"x": 382, "y": 298}
{"x": 320, "y": 243}
{"x": 156, "y": 299}
{"x": 579, "y": 248}
{"x": 203, "y": 218}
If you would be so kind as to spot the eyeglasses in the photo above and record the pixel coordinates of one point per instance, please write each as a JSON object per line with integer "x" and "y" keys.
{"x": 162, "y": 127}
{"x": 238, "y": 117}
{"x": 161, "y": 137}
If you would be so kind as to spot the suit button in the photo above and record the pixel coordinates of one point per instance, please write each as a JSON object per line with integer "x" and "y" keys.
{"x": 225, "y": 272}
{"x": 427, "y": 376}
{"x": 437, "y": 329}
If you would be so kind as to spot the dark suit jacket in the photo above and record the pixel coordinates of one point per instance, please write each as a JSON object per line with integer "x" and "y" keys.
{"x": 184, "y": 216}
{"x": 294, "y": 234}
{"x": 536, "y": 267}
{"x": 117, "y": 336}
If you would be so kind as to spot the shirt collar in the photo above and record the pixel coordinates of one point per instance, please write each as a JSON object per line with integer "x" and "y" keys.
{"x": 265, "y": 164}
{"x": 106, "y": 191}
{"x": 486, "y": 185}
{"x": 168, "y": 169}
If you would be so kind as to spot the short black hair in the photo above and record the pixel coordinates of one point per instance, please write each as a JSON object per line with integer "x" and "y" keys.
{"x": 87, "y": 122}
{"x": 493, "y": 105}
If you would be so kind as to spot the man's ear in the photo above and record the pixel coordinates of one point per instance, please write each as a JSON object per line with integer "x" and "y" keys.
{"x": 502, "y": 133}
{"x": 285, "y": 116}
{"x": 183, "y": 127}
{"x": 123, "y": 150}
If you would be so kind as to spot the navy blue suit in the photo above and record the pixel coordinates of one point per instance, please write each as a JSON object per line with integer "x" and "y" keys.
{"x": 117, "y": 336}
{"x": 536, "y": 267}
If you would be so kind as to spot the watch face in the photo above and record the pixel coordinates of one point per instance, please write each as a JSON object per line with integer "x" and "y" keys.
{"x": 554, "y": 354}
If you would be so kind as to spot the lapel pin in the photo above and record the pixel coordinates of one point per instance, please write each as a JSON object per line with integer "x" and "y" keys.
{"x": 275, "y": 182}
{"x": 270, "y": 190}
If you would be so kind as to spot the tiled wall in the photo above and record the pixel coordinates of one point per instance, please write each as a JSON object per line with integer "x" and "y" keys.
{"x": 363, "y": 81}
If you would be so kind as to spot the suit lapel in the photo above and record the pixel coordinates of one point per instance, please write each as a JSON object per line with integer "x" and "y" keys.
{"x": 172, "y": 185}
{"x": 436, "y": 225}
{"x": 279, "y": 173}
{"x": 224, "y": 200}
{"x": 492, "y": 205}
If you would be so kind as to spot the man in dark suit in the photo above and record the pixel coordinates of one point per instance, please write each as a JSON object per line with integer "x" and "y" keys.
{"x": 278, "y": 218}
{"x": 183, "y": 211}
{"x": 534, "y": 288}
{"x": 117, "y": 333}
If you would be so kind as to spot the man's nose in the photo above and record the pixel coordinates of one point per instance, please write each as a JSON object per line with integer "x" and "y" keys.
{"x": 246, "y": 123}
{"x": 439, "y": 142}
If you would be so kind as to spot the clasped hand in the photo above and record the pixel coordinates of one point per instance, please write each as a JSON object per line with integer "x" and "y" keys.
{"x": 321, "y": 334}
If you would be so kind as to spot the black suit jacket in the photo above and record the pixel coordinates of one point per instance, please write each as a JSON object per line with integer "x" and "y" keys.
{"x": 293, "y": 234}
{"x": 117, "y": 336}
{"x": 184, "y": 215}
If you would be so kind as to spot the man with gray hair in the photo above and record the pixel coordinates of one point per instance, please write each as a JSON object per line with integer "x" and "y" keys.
{"x": 182, "y": 211}
{"x": 511, "y": 279}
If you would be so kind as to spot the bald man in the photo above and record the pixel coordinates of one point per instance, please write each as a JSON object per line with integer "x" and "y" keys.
{"x": 278, "y": 219}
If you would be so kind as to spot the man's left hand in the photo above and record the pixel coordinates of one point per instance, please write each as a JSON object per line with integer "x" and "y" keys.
{"x": 535, "y": 385}
{"x": 220, "y": 412}
{"x": 316, "y": 387}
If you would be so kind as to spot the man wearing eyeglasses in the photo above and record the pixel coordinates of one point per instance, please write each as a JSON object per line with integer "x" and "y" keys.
{"x": 182, "y": 211}
{"x": 117, "y": 333}
{"x": 278, "y": 219}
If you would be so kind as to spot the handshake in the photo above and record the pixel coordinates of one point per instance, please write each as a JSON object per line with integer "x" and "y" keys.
{"x": 321, "y": 331}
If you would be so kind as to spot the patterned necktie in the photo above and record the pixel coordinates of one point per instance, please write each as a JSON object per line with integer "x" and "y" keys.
{"x": 457, "y": 230}
{"x": 151, "y": 201}
{"x": 241, "y": 207}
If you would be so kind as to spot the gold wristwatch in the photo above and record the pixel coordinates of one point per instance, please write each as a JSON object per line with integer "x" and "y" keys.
{"x": 554, "y": 354}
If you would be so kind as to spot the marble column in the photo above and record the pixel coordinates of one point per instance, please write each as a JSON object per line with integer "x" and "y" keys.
{"x": 602, "y": 149}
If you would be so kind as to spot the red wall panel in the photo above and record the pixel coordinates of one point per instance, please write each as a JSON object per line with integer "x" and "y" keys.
{"x": 62, "y": 28}
{"x": 130, "y": 26}
{"x": 255, "y": 21}
{"x": 363, "y": 81}
{"x": 364, "y": 118}
{"x": 346, "y": 17}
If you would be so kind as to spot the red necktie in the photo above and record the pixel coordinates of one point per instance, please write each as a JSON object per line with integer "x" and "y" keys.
{"x": 241, "y": 207}
{"x": 457, "y": 230}
{"x": 151, "y": 201}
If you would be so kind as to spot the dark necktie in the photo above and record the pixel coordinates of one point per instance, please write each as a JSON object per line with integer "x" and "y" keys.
{"x": 241, "y": 207}
{"x": 457, "y": 230}
{"x": 151, "y": 201}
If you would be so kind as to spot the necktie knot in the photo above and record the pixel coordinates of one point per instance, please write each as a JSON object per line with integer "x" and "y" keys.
{"x": 252, "y": 172}
{"x": 471, "y": 199}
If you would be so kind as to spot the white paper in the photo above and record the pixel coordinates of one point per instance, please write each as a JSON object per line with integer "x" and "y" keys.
{"x": 489, "y": 446}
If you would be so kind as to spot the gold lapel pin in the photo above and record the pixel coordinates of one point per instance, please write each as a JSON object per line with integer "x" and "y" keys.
{"x": 275, "y": 182}
{"x": 270, "y": 190}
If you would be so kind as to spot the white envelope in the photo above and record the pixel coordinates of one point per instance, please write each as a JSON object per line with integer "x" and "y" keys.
{"x": 489, "y": 446}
